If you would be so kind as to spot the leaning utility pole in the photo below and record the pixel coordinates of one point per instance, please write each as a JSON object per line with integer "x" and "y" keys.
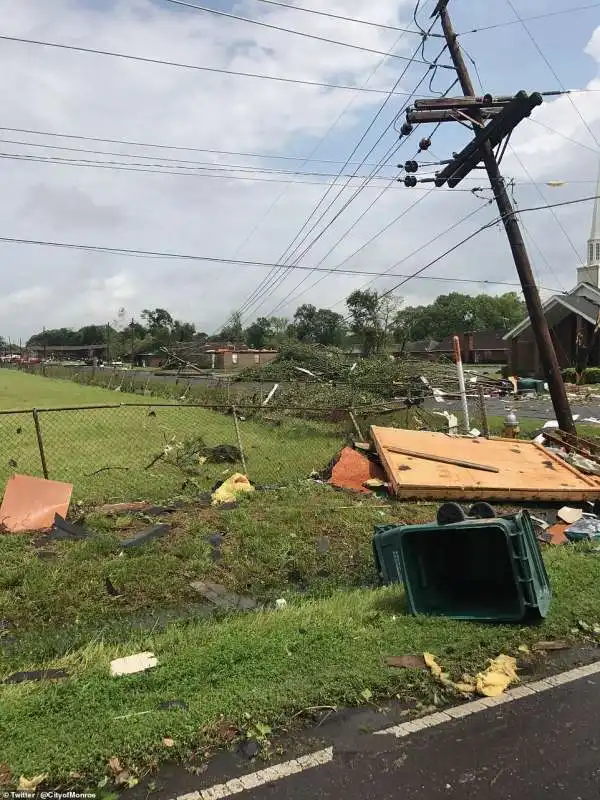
{"x": 504, "y": 114}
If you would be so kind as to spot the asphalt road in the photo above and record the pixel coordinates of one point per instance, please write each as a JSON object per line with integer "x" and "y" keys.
{"x": 546, "y": 746}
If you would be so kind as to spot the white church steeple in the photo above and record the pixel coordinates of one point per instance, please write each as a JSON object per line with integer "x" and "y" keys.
{"x": 590, "y": 273}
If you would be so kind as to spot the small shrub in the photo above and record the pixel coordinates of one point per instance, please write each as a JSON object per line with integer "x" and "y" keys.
{"x": 569, "y": 375}
{"x": 591, "y": 375}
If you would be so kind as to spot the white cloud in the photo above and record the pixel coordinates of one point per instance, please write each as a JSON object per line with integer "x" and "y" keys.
{"x": 56, "y": 90}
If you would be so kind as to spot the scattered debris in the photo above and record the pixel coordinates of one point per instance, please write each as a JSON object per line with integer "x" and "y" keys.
{"x": 31, "y": 784}
{"x": 585, "y": 529}
{"x": 522, "y": 469}
{"x": 492, "y": 682}
{"x": 215, "y": 540}
{"x": 37, "y": 675}
{"x": 269, "y": 397}
{"x": 66, "y": 531}
{"x": 557, "y": 533}
{"x": 558, "y": 644}
{"x": 171, "y": 705}
{"x": 230, "y": 489}
{"x": 250, "y": 748}
{"x": 375, "y": 483}
{"x": 569, "y": 515}
{"x": 323, "y": 544}
{"x": 353, "y": 469}
{"x": 280, "y": 604}
{"x": 128, "y": 665}
{"x": 6, "y": 776}
{"x": 406, "y": 662}
{"x": 168, "y": 742}
{"x": 221, "y": 597}
{"x": 147, "y": 535}
{"x": 111, "y": 589}
{"x": 29, "y": 504}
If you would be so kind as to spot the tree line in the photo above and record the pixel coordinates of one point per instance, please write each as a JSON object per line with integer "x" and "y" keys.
{"x": 373, "y": 321}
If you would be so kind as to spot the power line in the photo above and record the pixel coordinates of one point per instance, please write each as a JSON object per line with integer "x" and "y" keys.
{"x": 563, "y": 135}
{"x": 331, "y": 15}
{"x": 137, "y": 253}
{"x": 551, "y": 68}
{"x": 266, "y": 288}
{"x": 144, "y": 168}
{"x": 131, "y": 143}
{"x": 198, "y": 67}
{"x": 178, "y": 163}
{"x": 269, "y": 26}
{"x": 485, "y": 227}
{"x": 357, "y": 191}
{"x": 281, "y": 194}
{"x": 528, "y": 19}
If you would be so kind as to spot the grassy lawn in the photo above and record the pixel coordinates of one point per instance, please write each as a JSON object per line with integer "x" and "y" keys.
{"x": 310, "y": 545}
{"x": 105, "y": 452}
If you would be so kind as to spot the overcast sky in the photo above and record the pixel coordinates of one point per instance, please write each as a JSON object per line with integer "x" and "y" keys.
{"x": 293, "y": 128}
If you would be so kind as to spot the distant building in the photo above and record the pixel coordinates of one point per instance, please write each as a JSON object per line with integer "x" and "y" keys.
{"x": 572, "y": 317}
{"x": 68, "y": 352}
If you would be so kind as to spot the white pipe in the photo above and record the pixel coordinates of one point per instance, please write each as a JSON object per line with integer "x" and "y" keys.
{"x": 461, "y": 382}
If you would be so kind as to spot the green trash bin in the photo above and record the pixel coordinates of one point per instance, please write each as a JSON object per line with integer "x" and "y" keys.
{"x": 478, "y": 569}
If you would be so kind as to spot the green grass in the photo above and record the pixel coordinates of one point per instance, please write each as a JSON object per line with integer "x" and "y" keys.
{"x": 105, "y": 452}
{"x": 326, "y": 648}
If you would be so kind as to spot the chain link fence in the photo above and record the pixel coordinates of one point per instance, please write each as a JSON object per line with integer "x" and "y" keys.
{"x": 157, "y": 450}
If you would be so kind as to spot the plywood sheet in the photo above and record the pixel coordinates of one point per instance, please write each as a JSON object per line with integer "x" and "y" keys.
{"x": 527, "y": 471}
{"x": 29, "y": 504}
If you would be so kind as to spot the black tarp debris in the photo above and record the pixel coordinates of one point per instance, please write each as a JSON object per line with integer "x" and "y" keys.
{"x": 147, "y": 535}
{"x": 66, "y": 531}
{"x": 36, "y": 675}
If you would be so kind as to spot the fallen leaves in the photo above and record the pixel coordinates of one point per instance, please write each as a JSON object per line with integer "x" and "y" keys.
{"x": 406, "y": 662}
{"x": 6, "y": 776}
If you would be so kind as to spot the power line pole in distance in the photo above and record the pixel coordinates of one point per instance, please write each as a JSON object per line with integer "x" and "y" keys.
{"x": 493, "y": 119}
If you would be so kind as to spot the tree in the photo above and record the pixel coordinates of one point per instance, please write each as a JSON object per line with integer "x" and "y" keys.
{"x": 258, "y": 333}
{"x": 457, "y": 313}
{"x": 321, "y": 326}
{"x": 233, "y": 330}
{"x": 92, "y": 334}
{"x": 183, "y": 331}
{"x": 373, "y": 317}
{"x": 157, "y": 319}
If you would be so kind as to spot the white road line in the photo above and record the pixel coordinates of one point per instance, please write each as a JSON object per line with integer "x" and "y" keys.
{"x": 466, "y": 709}
{"x": 260, "y": 778}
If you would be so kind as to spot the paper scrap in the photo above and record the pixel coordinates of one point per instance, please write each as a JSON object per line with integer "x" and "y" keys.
{"x": 139, "y": 662}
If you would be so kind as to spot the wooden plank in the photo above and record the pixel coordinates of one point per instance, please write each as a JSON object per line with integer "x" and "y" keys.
{"x": 442, "y": 459}
{"x": 526, "y": 471}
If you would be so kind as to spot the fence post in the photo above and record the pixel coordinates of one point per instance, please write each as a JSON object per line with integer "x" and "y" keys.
{"x": 483, "y": 410}
{"x": 40, "y": 441}
{"x": 355, "y": 424}
{"x": 239, "y": 438}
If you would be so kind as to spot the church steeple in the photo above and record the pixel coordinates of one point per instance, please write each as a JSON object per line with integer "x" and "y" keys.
{"x": 590, "y": 273}
{"x": 593, "y": 252}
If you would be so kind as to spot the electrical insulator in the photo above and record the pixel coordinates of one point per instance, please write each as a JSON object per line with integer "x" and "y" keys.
{"x": 410, "y": 181}
{"x": 406, "y": 128}
{"x": 424, "y": 144}
{"x": 411, "y": 166}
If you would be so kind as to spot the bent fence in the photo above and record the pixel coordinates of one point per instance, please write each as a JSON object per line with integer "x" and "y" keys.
{"x": 158, "y": 450}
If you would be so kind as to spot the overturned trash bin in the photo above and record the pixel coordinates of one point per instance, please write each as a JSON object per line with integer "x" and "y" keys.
{"x": 490, "y": 570}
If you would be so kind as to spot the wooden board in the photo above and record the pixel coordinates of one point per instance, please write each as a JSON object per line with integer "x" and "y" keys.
{"x": 527, "y": 471}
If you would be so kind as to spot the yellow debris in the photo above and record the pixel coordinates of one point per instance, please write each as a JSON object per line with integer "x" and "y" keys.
{"x": 31, "y": 784}
{"x": 501, "y": 672}
{"x": 229, "y": 490}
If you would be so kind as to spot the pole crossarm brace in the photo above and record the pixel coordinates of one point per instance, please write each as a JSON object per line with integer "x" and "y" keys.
{"x": 494, "y": 132}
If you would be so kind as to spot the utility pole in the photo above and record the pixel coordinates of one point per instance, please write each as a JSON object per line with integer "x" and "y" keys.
{"x": 132, "y": 326}
{"x": 504, "y": 114}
